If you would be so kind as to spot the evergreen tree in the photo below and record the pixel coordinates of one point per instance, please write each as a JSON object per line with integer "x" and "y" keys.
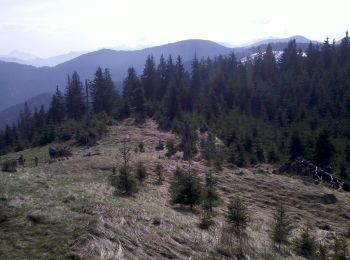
{"x": 141, "y": 172}
{"x": 324, "y": 150}
{"x": 340, "y": 247}
{"x": 210, "y": 194}
{"x": 170, "y": 106}
{"x": 10, "y": 135}
{"x": 269, "y": 65}
{"x": 281, "y": 226}
{"x": 149, "y": 80}
{"x": 57, "y": 107}
{"x": 110, "y": 92}
{"x": 237, "y": 215}
{"x": 185, "y": 189}
{"x": 125, "y": 182}
{"x": 162, "y": 78}
{"x": 159, "y": 171}
{"x": 103, "y": 92}
{"x": 187, "y": 141}
{"x": 134, "y": 94}
{"x": 97, "y": 91}
{"x": 26, "y": 123}
{"x": 208, "y": 147}
{"x": 74, "y": 98}
{"x": 295, "y": 147}
{"x": 305, "y": 244}
{"x": 170, "y": 146}
{"x": 195, "y": 81}
{"x": 40, "y": 118}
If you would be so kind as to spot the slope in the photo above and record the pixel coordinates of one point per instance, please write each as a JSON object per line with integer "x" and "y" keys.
{"x": 69, "y": 209}
{"x": 11, "y": 114}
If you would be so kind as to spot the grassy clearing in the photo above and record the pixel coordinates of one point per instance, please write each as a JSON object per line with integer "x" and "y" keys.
{"x": 40, "y": 152}
{"x": 68, "y": 208}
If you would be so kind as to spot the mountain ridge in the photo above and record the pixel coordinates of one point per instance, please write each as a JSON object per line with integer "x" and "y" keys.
{"x": 30, "y": 81}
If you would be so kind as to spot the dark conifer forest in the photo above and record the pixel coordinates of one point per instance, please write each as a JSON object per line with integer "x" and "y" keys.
{"x": 268, "y": 109}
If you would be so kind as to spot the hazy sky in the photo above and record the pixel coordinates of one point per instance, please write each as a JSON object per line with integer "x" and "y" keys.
{"x": 50, "y": 27}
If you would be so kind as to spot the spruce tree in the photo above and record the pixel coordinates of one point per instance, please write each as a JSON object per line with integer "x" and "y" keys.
{"x": 187, "y": 141}
{"x": 141, "y": 172}
{"x": 110, "y": 92}
{"x": 26, "y": 123}
{"x": 324, "y": 150}
{"x": 74, "y": 98}
{"x": 305, "y": 244}
{"x": 134, "y": 94}
{"x": 237, "y": 215}
{"x": 124, "y": 181}
{"x": 185, "y": 189}
{"x": 97, "y": 91}
{"x": 57, "y": 107}
{"x": 210, "y": 194}
{"x": 162, "y": 78}
{"x": 159, "y": 172}
{"x": 281, "y": 226}
{"x": 103, "y": 92}
{"x": 296, "y": 147}
{"x": 149, "y": 80}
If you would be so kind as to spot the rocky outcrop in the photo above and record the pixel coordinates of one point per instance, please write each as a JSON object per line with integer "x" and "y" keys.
{"x": 305, "y": 168}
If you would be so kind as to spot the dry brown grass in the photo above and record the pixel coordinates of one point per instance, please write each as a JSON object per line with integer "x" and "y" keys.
{"x": 124, "y": 227}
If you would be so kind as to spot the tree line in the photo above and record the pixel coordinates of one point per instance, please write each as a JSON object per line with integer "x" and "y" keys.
{"x": 267, "y": 108}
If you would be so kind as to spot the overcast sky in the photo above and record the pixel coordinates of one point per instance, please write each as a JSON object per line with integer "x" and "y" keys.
{"x": 50, "y": 27}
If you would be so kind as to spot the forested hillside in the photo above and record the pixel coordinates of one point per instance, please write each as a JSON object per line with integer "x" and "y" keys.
{"x": 263, "y": 110}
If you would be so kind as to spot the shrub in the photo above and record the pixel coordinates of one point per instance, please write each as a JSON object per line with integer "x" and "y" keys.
{"x": 9, "y": 166}
{"x": 141, "y": 172}
{"x": 170, "y": 146}
{"x": 141, "y": 147}
{"x": 185, "y": 189}
{"x": 305, "y": 244}
{"x": 206, "y": 220}
{"x": 340, "y": 247}
{"x": 210, "y": 194}
{"x": 272, "y": 157}
{"x": 237, "y": 215}
{"x": 159, "y": 171}
{"x": 322, "y": 251}
{"x": 86, "y": 137}
{"x": 281, "y": 226}
{"x": 160, "y": 146}
{"x": 125, "y": 182}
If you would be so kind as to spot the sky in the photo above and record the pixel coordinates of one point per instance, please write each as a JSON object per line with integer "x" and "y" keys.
{"x": 51, "y": 27}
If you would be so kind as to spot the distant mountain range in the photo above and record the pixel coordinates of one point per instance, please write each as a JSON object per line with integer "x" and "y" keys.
{"x": 19, "y": 82}
{"x": 27, "y": 59}
{"x": 297, "y": 38}
{"x": 11, "y": 114}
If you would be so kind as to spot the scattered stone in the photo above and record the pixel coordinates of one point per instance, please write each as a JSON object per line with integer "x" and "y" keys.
{"x": 69, "y": 198}
{"x": 6, "y": 212}
{"x": 38, "y": 217}
{"x": 59, "y": 151}
{"x": 10, "y": 166}
{"x": 324, "y": 226}
{"x": 156, "y": 222}
{"x": 329, "y": 198}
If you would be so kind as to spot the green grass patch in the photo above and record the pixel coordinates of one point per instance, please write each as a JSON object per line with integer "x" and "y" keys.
{"x": 29, "y": 154}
